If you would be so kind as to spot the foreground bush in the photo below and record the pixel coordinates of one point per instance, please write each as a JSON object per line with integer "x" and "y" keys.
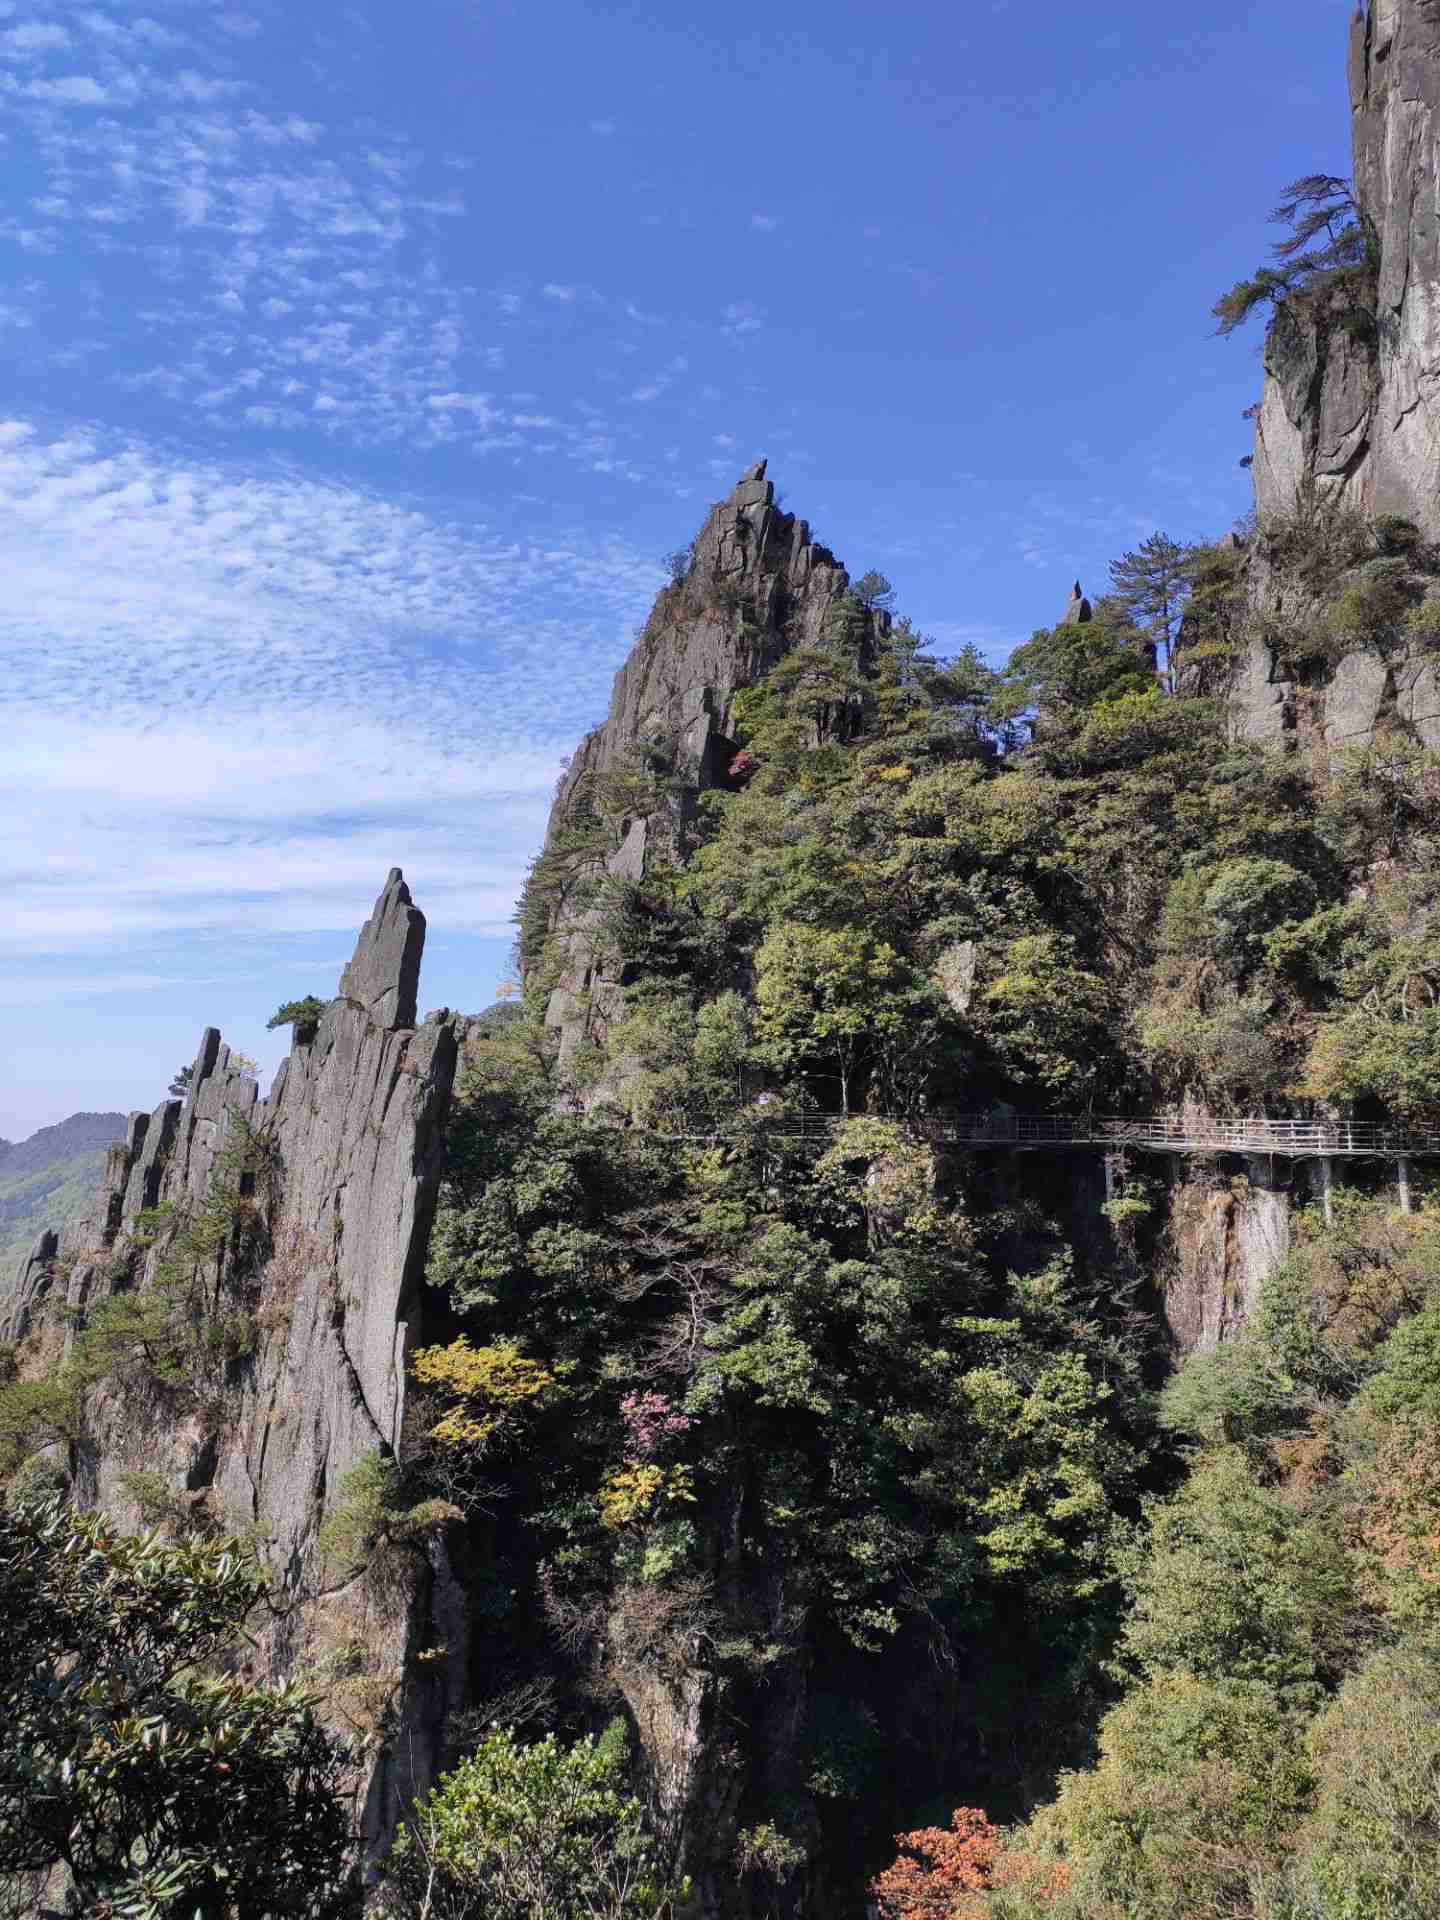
{"x": 159, "y": 1785}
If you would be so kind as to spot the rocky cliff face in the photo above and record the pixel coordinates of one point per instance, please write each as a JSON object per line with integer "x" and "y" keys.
{"x": 1351, "y": 412}
{"x": 323, "y": 1261}
{"x": 1357, "y": 416}
{"x": 753, "y": 585}
{"x": 1229, "y": 1228}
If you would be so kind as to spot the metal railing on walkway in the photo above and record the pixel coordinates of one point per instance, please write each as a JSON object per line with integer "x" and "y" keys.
{"x": 1188, "y": 1132}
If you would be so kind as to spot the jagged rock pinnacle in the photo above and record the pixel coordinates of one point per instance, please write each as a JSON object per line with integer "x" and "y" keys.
{"x": 1078, "y": 611}
{"x": 756, "y": 586}
{"x": 384, "y": 976}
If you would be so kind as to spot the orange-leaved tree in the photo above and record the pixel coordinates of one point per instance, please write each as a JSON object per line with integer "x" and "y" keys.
{"x": 945, "y": 1873}
{"x": 940, "y": 1873}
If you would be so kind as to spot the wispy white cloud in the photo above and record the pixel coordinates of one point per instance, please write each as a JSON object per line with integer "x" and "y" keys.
{"x": 233, "y": 702}
{"x": 192, "y": 203}
{"x": 238, "y": 213}
{"x": 72, "y": 90}
{"x": 35, "y": 37}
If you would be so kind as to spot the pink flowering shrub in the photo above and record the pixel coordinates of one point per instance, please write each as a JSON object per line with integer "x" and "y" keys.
{"x": 650, "y": 1420}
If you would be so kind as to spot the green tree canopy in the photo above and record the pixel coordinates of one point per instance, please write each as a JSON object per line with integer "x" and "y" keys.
{"x": 1152, "y": 584}
{"x": 303, "y": 1015}
{"x": 537, "y": 1832}
{"x": 159, "y": 1783}
{"x": 1330, "y": 244}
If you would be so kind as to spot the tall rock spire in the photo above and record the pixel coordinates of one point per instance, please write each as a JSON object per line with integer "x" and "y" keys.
{"x": 384, "y": 975}
{"x": 325, "y": 1277}
{"x": 752, "y": 585}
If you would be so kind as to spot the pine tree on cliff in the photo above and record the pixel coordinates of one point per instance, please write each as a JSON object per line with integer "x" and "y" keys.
{"x": 1330, "y": 245}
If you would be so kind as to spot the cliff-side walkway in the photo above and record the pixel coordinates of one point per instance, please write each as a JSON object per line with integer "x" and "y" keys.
{"x": 1189, "y": 1132}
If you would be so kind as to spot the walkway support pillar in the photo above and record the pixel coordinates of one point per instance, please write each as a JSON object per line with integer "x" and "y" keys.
{"x": 1402, "y": 1168}
{"x": 1109, "y": 1178}
{"x": 1327, "y": 1201}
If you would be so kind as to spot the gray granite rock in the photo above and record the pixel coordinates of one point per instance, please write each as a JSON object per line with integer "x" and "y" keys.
{"x": 354, "y": 1125}
{"x": 384, "y": 975}
{"x": 1078, "y": 611}
{"x": 1417, "y": 700}
{"x": 1355, "y": 695}
{"x": 1318, "y": 411}
{"x": 1357, "y": 415}
{"x": 955, "y": 973}
{"x": 758, "y": 585}
{"x": 1262, "y": 699}
{"x": 1351, "y": 413}
{"x": 1395, "y": 97}
{"x": 1227, "y": 1237}
{"x": 32, "y": 1288}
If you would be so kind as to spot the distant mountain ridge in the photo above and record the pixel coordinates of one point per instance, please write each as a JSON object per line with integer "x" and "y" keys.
{"x": 50, "y": 1177}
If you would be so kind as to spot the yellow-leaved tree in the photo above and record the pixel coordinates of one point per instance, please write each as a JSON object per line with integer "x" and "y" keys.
{"x": 489, "y": 1390}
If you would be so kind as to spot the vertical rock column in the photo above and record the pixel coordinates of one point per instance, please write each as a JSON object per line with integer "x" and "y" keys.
{"x": 352, "y": 1142}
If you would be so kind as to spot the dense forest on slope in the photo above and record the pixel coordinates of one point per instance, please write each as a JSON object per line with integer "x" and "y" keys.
{"x": 834, "y": 1454}
{"x": 51, "y": 1177}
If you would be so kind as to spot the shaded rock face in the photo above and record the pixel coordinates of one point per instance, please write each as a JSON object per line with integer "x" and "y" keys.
{"x": 384, "y": 976}
{"x": 1315, "y": 428}
{"x": 1395, "y": 99}
{"x": 1353, "y": 415}
{"x": 757, "y": 585}
{"x": 1078, "y": 611}
{"x": 1228, "y": 1233}
{"x": 353, "y": 1127}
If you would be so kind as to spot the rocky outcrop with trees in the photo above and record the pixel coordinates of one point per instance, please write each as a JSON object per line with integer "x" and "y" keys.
{"x": 751, "y": 1429}
{"x": 222, "y": 1343}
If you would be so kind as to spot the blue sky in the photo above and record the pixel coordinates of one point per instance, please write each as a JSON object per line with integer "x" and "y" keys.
{"x": 364, "y": 358}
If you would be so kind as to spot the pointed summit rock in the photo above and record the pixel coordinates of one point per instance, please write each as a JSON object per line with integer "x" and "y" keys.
{"x": 755, "y": 585}
{"x": 752, "y": 585}
{"x": 384, "y": 976}
{"x": 1078, "y": 611}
